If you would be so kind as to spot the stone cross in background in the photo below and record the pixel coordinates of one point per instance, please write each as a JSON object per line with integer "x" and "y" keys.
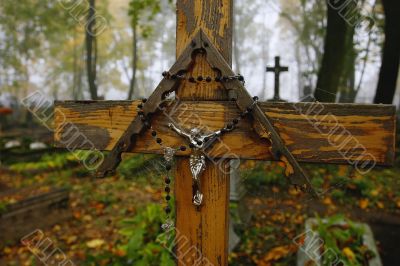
{"x": 277, "y": 69}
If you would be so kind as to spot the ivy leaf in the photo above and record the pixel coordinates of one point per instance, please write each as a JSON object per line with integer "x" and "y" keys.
{"x": 166, "y": 259}
{"x": 136, "y": 241}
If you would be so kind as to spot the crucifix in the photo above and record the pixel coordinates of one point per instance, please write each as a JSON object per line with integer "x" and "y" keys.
{"x": 213, "y": 119}
{"x": 277, "y": 70}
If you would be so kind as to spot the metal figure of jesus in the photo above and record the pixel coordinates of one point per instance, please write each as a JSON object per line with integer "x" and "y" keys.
{"x": 197, "y": 161}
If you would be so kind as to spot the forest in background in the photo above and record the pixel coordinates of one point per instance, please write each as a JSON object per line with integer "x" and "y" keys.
{"x": 117, "y": 50}
{"x": 100, "y": 49}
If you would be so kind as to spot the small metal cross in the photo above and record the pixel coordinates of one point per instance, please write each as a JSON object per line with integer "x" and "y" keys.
{"x": 277, "y": 69}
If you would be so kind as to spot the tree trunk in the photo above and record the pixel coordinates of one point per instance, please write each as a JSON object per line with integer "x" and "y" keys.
{"x": 91, "y": 50}
{"x": 348, "y": 91}
{"x": 134, "y": 62}
{"x": 391, "y": 53}
{"x": 334, "y": 56}
{"x": 75, "y": 68}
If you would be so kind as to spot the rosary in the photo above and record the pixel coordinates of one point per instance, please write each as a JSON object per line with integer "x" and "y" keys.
{"x": 198, "y": 142}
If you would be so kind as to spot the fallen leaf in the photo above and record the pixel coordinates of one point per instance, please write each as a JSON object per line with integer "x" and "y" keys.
{"x": 363, "y": 203}
{"x": 7, "y": 250}
{"x": 120, "y": 252}
{"x": 374, "y": 193}
{"x": 298, "y": 219}
{"x": 398, "y": 203}
{"x": 277, "y": 253}
{"x": 71, "y": 239}
{"x": 77, "y": 215}
{"x": 95, "y": 243}
{"x": 87, "y": 218}
{"x": 149, "y": 189}
{"x": 275, "y": 189}
{"x": 257, "y": 201}
{"x": 56, "y": 228}
{"x": 327, "y": 201}
{"x": 293, "y": 191}
{"x": 349, "y": 253}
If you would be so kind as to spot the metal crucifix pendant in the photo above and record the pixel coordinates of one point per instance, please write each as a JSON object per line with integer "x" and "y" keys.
{"x": 197, "y": 163}
{"x": 197, "y": 160}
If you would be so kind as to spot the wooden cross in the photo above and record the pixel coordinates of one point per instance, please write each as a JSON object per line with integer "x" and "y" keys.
{"x": 360, "y": 135}
{"x": 277, "y": 69}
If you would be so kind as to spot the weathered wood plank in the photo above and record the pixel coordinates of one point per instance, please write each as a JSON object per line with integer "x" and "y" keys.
{"x": 214, "y": 17}
{"x": 26, "y": 216}
{"x": 207, "y": 228}
{"x": 328, "y": 133}
{"x": 202, "y": 235}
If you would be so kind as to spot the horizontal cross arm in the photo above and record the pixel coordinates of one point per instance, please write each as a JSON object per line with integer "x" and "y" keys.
{"x": 313, "y": 132}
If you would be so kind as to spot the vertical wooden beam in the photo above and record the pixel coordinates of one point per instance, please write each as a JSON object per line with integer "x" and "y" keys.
{"x": 202, "y": 234}
{"x": 215, "y": 18}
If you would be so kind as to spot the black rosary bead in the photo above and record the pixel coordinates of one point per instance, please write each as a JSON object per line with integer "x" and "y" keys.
{"x": 141, "y": 113}
{"x": 200, "y": 78}
{"x": 191, "y": 145}
{"x": 144, "y": 100}
{"x": 199, "y": 142}
{"x": 255, "y": 98}
{"x": 154, "y": 133}
{"x": 147, "y": 124}
{"x": 167, "y": 181}
{"x": 168, "y": 198}
{"x": 206, "y": 139}
{"x": 192, "y": 80}
{"x": 165, "y": 73}
{"x": 168, "y": 167}
{"x": 223, "y": 130}
{"x": 183, "y": 148}
{"x": 208, "y": 79}
{"x": 174, "y": 76}
{"x": 229, "y": 126}
{"x": 167, "y": 189}
{"x": 240, "y": 78}
{"x": 167, "y": 210}
{"x": 159, "y": 141}
{"x": 235, "y": 121}
{"x": 140, "y": 106}
{"x": 249, "y": 109}
{"x": 233, "y": 99}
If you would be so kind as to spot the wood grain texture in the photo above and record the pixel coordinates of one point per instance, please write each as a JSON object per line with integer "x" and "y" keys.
{"x": 202, "y": 235}
{"x": 214, "y": 17}
{"x": 327, "y": 133}
{"x": 206, "y": 229}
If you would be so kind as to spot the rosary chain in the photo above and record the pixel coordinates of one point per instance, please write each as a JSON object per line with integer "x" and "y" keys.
{"x": 227, "y": 128}
{"x": 200, "y": 78}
